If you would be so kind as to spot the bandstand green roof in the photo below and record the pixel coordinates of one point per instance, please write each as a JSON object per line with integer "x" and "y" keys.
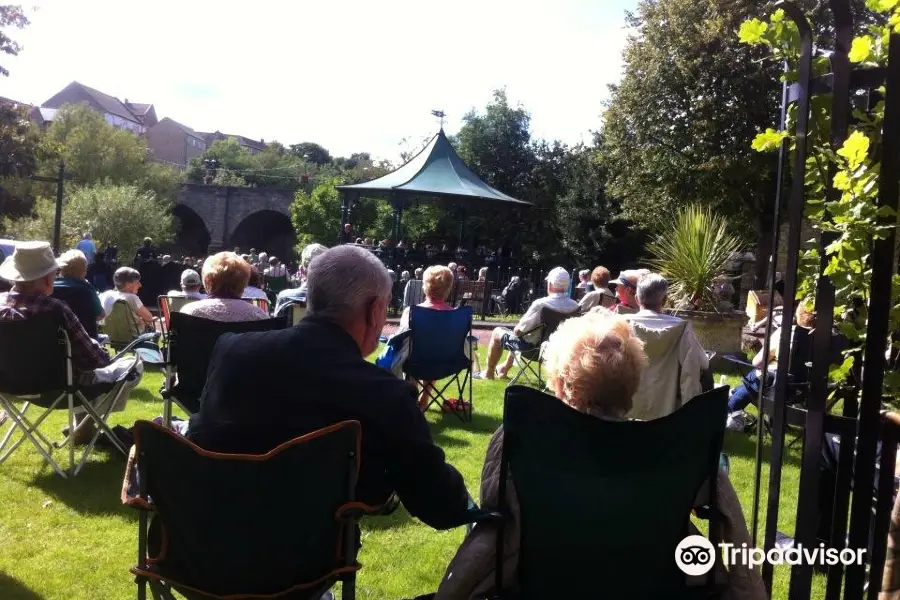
{"x": 437, "y": 171}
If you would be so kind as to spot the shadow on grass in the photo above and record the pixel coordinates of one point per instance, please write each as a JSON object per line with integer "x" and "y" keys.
{"x": 744, "y": 445}
{"x": 391, "y": 521}
{"x": 480, "y": 424}
{"x": 13, "y": 589}
{"x": 141, "y": 394}
{"x": 97, "y": 488}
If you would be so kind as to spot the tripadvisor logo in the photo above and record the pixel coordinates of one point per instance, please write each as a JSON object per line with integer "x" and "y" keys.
{"x": 695, "y": 555}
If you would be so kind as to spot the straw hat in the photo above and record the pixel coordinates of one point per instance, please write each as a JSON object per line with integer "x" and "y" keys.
{"x": 30, "y": 262}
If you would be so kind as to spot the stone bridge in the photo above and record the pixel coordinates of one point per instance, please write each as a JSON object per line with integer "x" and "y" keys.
{"x": 213, "y": 218}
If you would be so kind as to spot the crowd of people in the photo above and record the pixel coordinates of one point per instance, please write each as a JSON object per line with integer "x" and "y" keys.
{"x": 618, "y": 355}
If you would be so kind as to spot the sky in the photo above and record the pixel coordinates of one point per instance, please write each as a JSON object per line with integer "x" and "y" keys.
{"x": 353, "y": 75}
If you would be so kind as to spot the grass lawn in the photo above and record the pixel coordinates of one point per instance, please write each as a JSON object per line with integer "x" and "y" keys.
{"x": 72, "y": 539}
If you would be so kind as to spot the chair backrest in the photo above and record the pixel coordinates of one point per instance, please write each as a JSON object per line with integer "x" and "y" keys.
{"x": 121, "y": 324}
{"x": 604, "y": 503}
{"x": 171, "y": 304}
{"x": 191, "y": 342}
{"x": 552, "y": 319}
{"x": 437, "y": 342}
{"x": 33, "y": 355}
{"x": 297, "y": 310}
{"x": 81, "y": 300}
{"x": 254, "y": 525}
{"x": 262, "y": 303}
{"x": 802, "y": 341}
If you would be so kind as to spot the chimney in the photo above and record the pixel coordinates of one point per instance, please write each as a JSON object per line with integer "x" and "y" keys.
{"x": 262, "y": 141}
{"x": 126, "y": 100}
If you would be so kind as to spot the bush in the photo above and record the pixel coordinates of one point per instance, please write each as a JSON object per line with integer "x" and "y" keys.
{"x": 119, "y": 214}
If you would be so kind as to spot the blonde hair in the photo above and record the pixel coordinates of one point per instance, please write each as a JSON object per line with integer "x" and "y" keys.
{"x": 437, "y": 282}
{"x": 73, "y": 263}
{"x": 225, "y": 275}
{"x": 595, "y": 362}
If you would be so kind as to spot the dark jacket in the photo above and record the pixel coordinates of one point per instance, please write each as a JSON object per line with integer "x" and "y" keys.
{"x": 266, "y": 388}
{"x": 82, "y": 299}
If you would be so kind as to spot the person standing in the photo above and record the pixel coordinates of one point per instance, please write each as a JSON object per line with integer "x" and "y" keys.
{"x": 87, "y": 247}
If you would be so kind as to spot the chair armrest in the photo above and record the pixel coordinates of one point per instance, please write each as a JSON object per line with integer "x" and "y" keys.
{"x": 733, "y": 358}
{"x": 358, "y": 510}
{"x": 484, "y": 515}
{"x": 129, "y": 494}
{"x": 141, "y": 339}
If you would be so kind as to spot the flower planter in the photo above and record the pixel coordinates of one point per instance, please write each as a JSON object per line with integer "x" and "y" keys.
{"x": 717, "y": 332}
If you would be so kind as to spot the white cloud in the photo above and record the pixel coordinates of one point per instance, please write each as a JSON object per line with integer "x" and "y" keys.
{"x": 353, "y": 75}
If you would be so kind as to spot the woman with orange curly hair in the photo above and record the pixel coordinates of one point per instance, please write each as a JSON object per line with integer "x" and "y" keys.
{"x": 225, "y": 276}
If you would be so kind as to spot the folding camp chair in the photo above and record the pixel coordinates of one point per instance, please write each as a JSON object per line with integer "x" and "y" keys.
{"x": 604, "y": 504}
{"x": 293, "y": 311}
{"x": 215, "y": 526}
{"x": 438, "y": 346}
{"x": 36, "y": 370}
{"x": 167, "y": 306}
{"x": 529, "y": 361}
{"x": 121, "y": 325}
{"x": 189, "y": 348}
{"x": 262, "y": 303}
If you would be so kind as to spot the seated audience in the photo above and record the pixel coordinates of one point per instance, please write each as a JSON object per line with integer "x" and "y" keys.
{"x": 436, "y": 286}
{"x": 254, "y": 289}
{"x": 748, "y": 391}
{"x": 583, "y": 279}
{"x": 32, "y": 271}
{"x": 626, "y": 291}
{"x": 128, "y": 283}
{"x": 190, "y": 286}
{"x": 526, "y": 334}
{"x": 482, "y": 274}
{"x": 225, "y": 275}
{"x": 72, "y": 288}
{"x": 349, "y": 292}
{"x": 299, "y": 293}
{"x": 677, "y": 359}
{"x": 601, "y": 294}
{"x": 594, "y": 363}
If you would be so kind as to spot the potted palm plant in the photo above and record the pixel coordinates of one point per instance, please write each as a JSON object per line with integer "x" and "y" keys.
{"x": 694, "y": 256}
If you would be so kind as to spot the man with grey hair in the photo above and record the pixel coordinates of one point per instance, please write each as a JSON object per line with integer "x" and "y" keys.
{"x": 677, "y": 360}
{"x": 325, "y": 379}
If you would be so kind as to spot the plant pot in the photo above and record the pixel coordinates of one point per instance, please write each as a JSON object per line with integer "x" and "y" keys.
{"x": 716, "y": 332}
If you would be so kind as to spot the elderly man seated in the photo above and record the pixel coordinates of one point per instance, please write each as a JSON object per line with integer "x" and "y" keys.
{"x": 526, "y": 335}
{"x": 190, "y": 286}
{"x": 626, "y": 291}
{"x": 677, "y": 359}
{"x": 323, "y": 379}
{"x": 32, "y": 270}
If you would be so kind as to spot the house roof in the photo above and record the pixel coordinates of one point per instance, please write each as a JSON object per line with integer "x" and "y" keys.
{"x": 436, "y": 171}
{"x": 187, "y": 130}
{"x": 138, "y": 109}
{"x": 243, "y": 141}
{"x": 111, "y": 104}
{"x": 47, "y": 114}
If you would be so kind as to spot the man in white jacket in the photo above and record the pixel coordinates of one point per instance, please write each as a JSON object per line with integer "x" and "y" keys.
{"x": 676, "y": 357}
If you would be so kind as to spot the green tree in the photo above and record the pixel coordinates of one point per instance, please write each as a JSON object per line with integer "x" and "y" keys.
{"x": 18, "y": 159}
{"x": 11, "y": 15}
{"x": 123, "y": 214}
{"x": 311, "y": 152}
{"x": 678, "y": 126}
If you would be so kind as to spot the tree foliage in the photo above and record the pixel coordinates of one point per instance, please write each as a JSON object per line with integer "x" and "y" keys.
{"x": 122, "y": 214}
{"x": 94, "y": 151}
{"x": 679, "y": 124}
{"x": 311, "y": 152}
{"x": 11, "y": 16}
{"x": 851, "y": 215}
{"x": 18, "y": 159}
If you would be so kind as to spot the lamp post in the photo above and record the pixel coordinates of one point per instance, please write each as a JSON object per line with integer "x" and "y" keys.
{"x": 57, "y": 220}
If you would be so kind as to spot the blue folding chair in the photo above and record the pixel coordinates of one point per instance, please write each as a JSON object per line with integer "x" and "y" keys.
{"x": 438, "y": 340}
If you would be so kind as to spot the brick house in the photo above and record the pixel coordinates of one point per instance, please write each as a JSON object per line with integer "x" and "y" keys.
{"x": 171, "y": 142}
{"x": 252, "y": 146}
{"x": 133, "y": 117}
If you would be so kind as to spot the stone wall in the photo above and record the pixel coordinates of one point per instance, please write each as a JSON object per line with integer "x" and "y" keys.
{"x": 223, "y": 208}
